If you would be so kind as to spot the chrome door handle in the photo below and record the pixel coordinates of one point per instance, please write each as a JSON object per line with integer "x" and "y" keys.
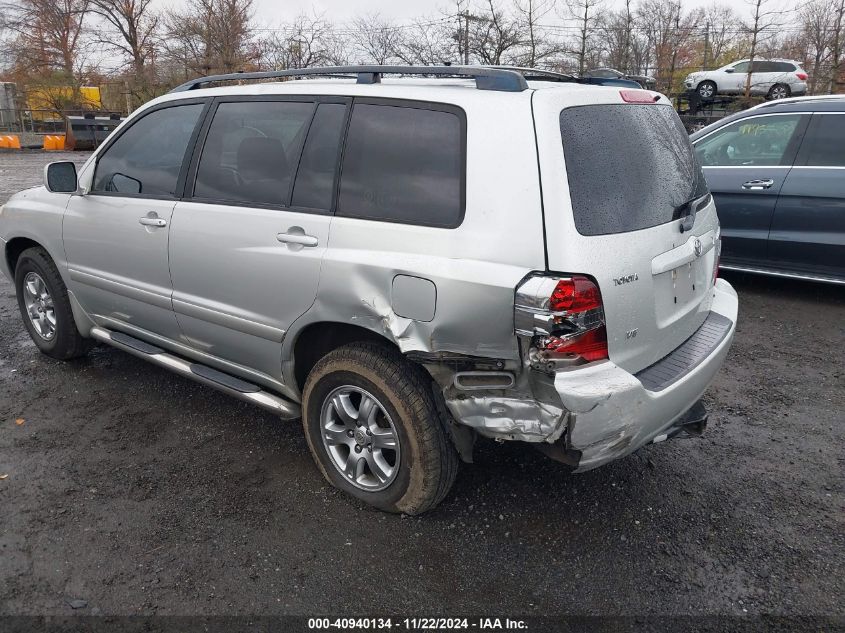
{"x": 297, "y": 238}
{"x": 756, "y": 185}
{"x": 152, "y": 221}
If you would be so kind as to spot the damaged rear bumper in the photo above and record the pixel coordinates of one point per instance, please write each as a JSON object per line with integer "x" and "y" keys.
{"x": 593, "y": 414}
{"x": 612, "y": 413}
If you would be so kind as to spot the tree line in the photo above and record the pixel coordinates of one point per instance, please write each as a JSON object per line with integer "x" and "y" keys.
{"x": 147, "y": 51}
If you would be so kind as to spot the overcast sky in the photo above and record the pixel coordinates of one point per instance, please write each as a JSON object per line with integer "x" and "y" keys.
{"x": 274, "y": 12}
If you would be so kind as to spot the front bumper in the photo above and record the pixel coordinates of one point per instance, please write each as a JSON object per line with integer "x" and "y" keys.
{"x": 611, "y": 413}
{"x": 4, "y": 264}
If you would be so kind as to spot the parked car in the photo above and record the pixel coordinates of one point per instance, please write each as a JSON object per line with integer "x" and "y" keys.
{"x": 369, "y": 256}
{"x": 644, "y": 81}
{"x": 774, "y": 78}
{"x": 777, "y": 172}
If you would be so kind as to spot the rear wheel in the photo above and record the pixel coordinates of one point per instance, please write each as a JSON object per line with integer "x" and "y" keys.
{"x": 374, "y": 429}
{"x": 706, "y": 89}
{"x": 45, "y": 306}
{"x": 779, "y": 91}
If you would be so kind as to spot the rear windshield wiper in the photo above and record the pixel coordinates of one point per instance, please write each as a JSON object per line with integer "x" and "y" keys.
{"x": 688, "y": 209}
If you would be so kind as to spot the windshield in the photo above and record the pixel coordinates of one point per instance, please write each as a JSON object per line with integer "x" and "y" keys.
{"x": 629, "y": 166}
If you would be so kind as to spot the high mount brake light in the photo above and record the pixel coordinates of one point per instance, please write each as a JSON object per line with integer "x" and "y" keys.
{"x": 639, "y": 96}
{"x": 563, "y": 319}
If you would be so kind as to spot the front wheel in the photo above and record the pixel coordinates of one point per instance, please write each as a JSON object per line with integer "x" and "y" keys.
{"x": 706, "y": 89}
{"x": 374, "y": 429}
{"x": 45, "y": 306}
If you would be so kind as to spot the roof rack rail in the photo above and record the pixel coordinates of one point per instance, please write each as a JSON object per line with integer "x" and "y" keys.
{"x": 486, "y": 77}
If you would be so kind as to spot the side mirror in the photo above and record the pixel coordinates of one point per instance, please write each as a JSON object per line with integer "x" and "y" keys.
{"x": 729, "y": 70}
{"x": 60, "y": 177}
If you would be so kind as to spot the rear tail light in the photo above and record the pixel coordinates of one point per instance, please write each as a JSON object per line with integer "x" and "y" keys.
{"x": 563, "y": 319}
{"x": 801, "y": 76}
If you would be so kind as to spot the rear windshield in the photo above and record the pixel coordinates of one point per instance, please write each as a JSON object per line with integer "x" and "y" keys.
{"x": 629, "y": 166}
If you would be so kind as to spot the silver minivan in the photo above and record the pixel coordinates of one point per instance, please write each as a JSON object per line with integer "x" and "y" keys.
{"x": 404, "y": 264}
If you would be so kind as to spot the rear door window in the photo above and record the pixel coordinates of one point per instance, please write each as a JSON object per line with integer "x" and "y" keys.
{"x": 251, "y": 151}
{"x": 629, "y": 166}
{"x": 404, "y": 164}
{"x": 315, "y": 179}
{"x": 824, "y": 143}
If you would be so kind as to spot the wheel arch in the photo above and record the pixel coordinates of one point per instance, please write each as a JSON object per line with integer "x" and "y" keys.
{"x": 16, "y": 246}
{"x": 315, "y": 340}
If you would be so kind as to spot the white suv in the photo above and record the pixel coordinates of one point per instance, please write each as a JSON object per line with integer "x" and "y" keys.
{"x": 404, "y": 264}
{"x": 775, "y": 78}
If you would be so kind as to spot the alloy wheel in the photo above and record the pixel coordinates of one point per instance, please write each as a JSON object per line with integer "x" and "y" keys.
{"x": 360, "y": 438}
{"x": 39, "y": 306}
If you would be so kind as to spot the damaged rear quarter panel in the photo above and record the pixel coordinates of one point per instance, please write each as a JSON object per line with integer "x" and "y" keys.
{"x": 474, "y": 267}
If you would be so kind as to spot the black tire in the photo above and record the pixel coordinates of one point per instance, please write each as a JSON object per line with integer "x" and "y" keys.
{"x": 429, "y": 461}
{"x": 66, "y": 342}
{"x": 779, "y": 91}
{"x": 706, "y": 89}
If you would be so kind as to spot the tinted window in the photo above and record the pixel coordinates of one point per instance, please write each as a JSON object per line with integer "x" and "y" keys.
{"x": 825, "y": 141}
{"x": 761, "y": 67}
{"x": 751, "y": 141}
{"x": 783, "y": 67}
{"x": 403, "y": 164}
{"x": 629, "y": 166}
{"x": 315, "y": 178}
{"x": 251, "y": 151}
{"x": 147, "y": 157}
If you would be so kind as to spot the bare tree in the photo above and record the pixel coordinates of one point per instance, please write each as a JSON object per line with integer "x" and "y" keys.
{"x": 669, "y": 33}
{"x": 428, "y": 41}
{"x": 763, "y": 25}
{"x": 46, "y": 35}
{"x": 722, "y": 24}
{"x": 538, "y": 46}
{"x": 211, "y": 36}
{"x": 493, "y": 34}
{"x": 585, "y": 14}
{"x": 836, "y": 45}
{"x": 375, "y": 39}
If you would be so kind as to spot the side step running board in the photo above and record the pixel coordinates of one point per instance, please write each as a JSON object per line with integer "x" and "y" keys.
{"x": 201, "y": 373}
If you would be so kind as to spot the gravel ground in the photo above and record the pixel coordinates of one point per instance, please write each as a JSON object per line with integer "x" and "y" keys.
{"x": 140, "y": 492}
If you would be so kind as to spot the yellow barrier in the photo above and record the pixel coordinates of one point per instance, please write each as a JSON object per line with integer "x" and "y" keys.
{"x": 54, "y": 142}
{"x": 10, "y": 141}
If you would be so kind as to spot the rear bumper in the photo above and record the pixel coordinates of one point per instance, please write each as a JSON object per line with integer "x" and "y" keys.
{"x": 612, "y": 413}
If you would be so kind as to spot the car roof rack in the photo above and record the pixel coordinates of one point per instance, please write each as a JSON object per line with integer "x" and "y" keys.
{"x": 536, "y": 74}
{"x": 486, "y": 77}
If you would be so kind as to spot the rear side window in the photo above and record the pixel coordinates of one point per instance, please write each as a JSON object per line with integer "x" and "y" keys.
{"x": 629, "y": 167}
{"x": 315, "y": 178}
{"x": 251, "y": 151}
{"x": 825, "y": 141}
{"x": 403, "y": 164}
{"x": 146, "y": 159}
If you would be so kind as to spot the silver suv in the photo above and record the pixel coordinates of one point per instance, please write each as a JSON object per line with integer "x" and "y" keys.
{"x": 404, "y": 264}
{"x": 774, "y": 78}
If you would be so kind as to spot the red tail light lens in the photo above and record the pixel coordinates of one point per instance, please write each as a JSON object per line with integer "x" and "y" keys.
{"x": 564, "y": 318}
{"x": 575, "y": 293}
{"x": 801, "y": 76}
{"x": 591, "y": 345}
